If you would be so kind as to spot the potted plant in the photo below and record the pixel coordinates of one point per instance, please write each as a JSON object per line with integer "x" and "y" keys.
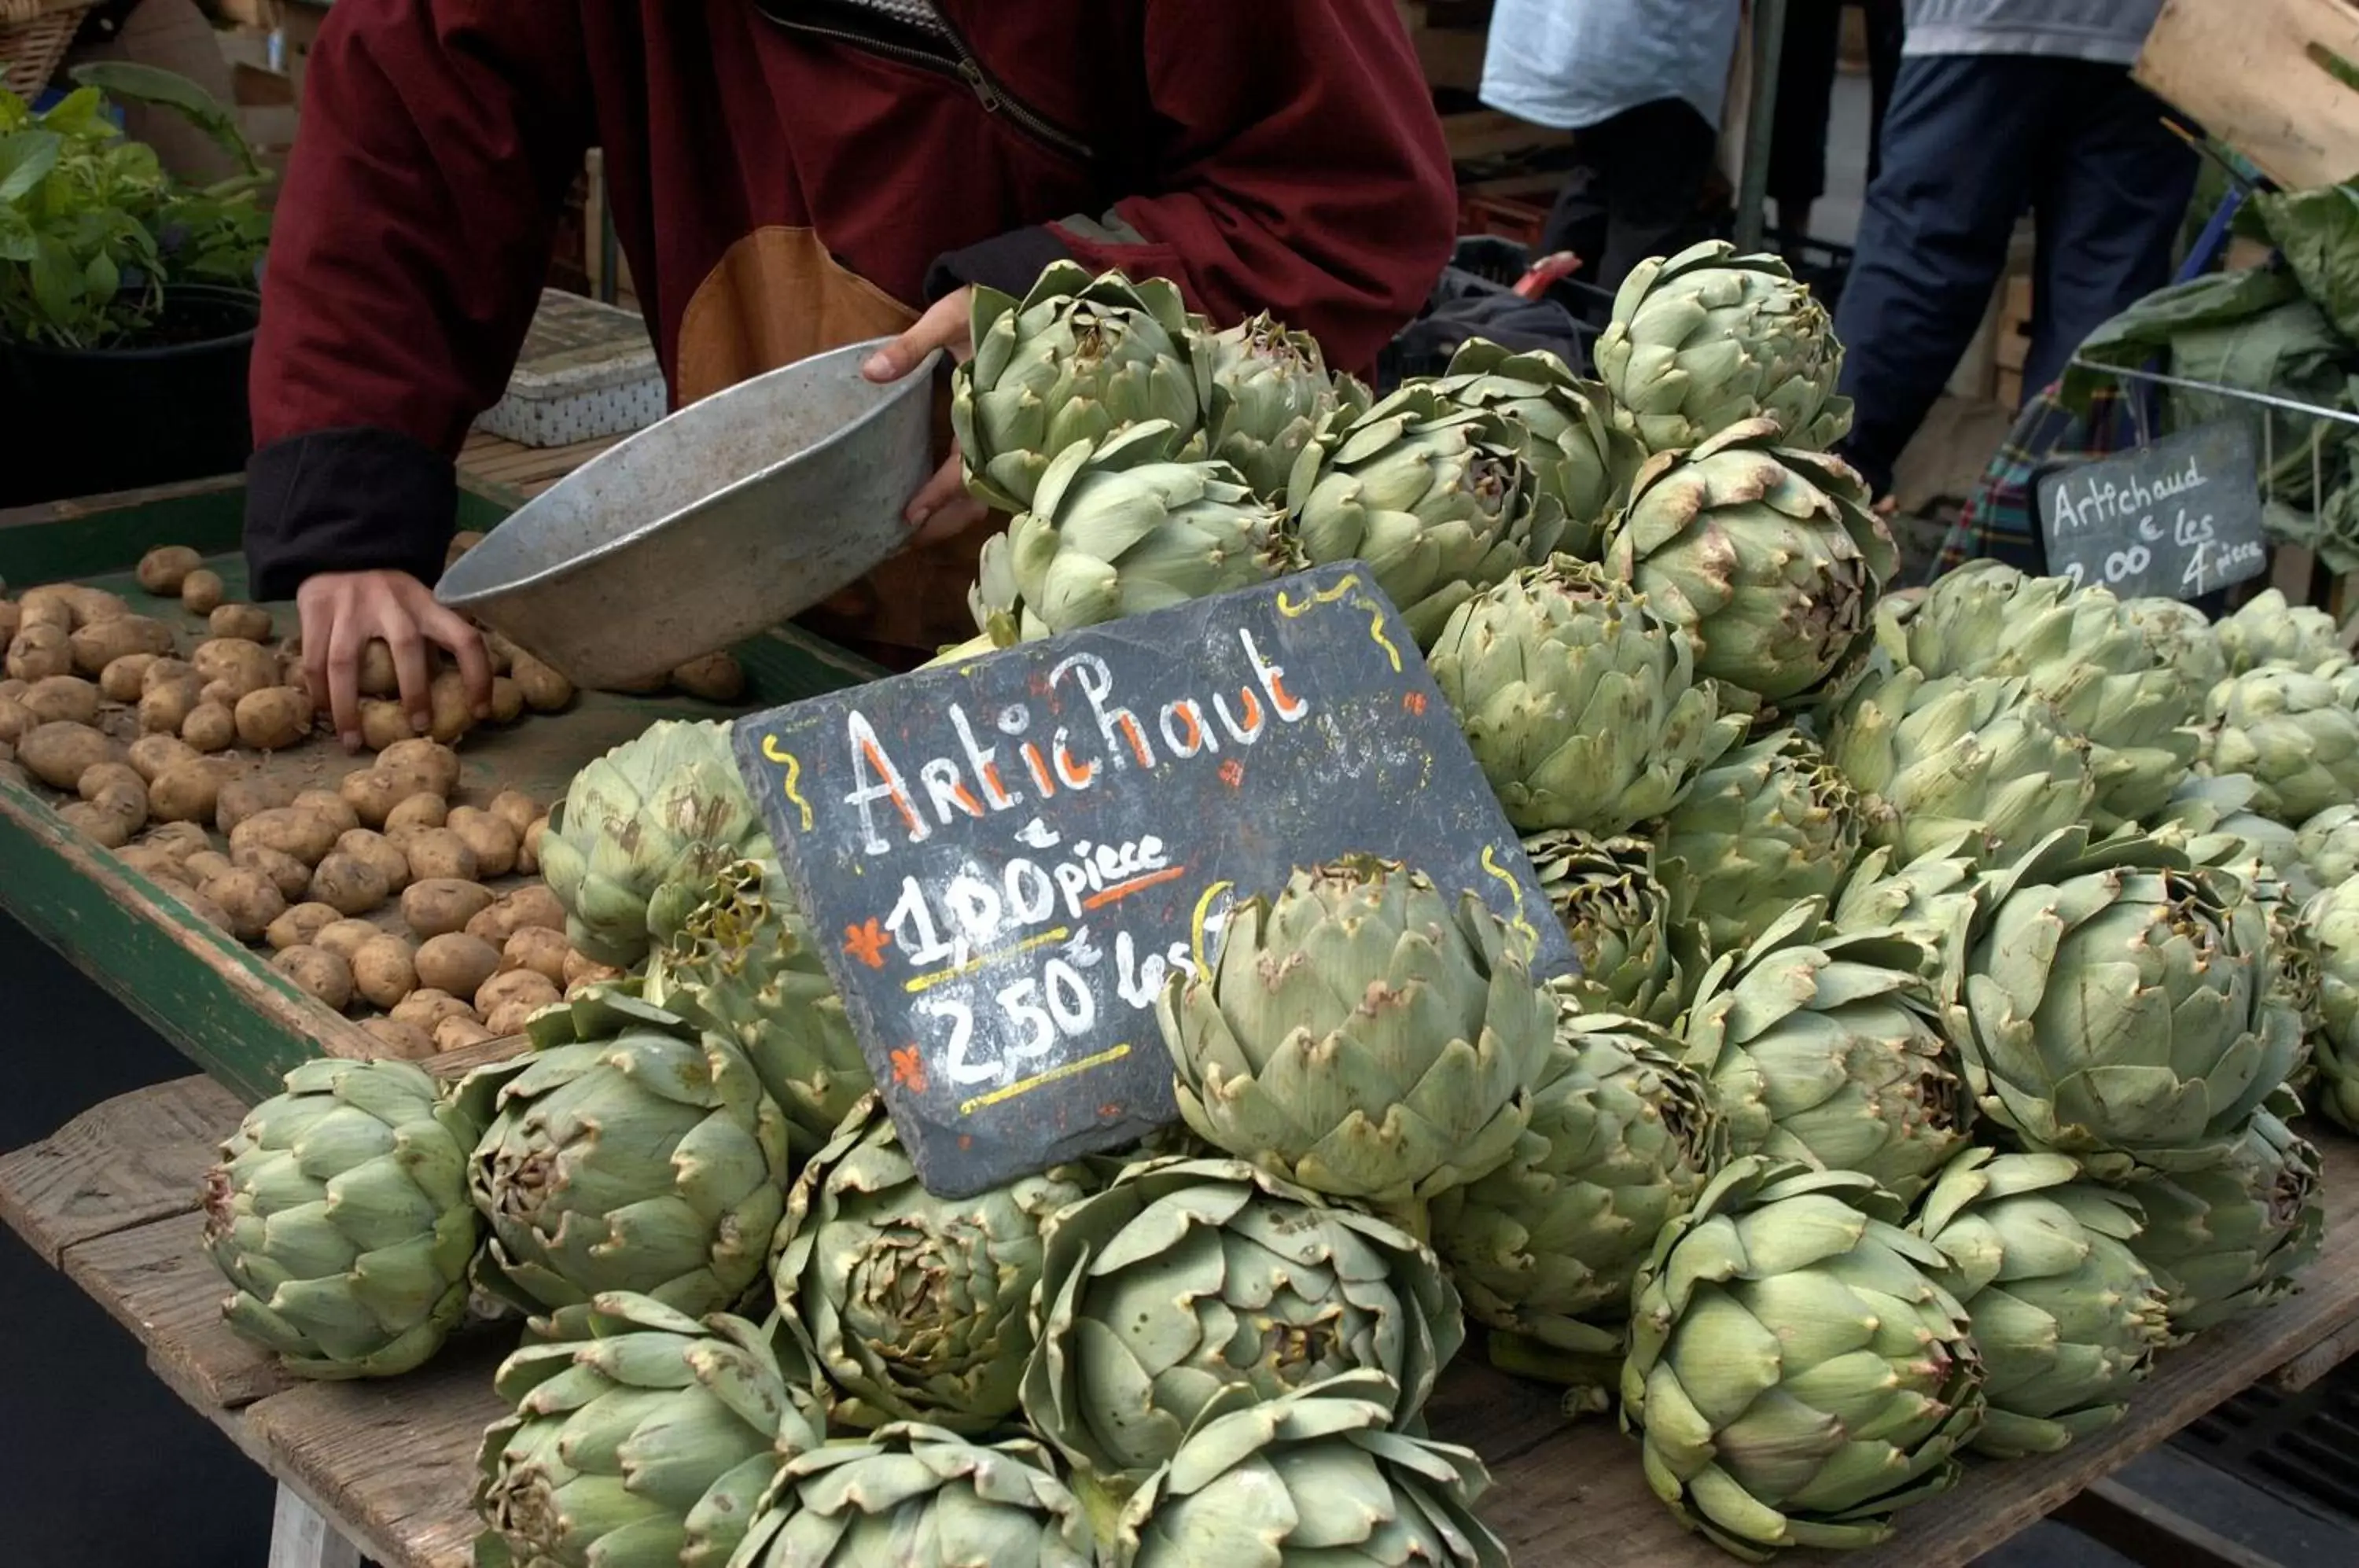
{"x": 127, "y": 300}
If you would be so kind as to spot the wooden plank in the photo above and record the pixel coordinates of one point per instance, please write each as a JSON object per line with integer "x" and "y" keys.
{"x": 2153, "y": 1534}
{"x": 158, "y": 1282}
{"x": 2250, "y": 72}
{"x": 1486, "y": 133}
{"x": 123, "y": 1163}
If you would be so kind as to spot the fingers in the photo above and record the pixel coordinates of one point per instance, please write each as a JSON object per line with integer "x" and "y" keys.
{"x": 952, "y": 520}
{"x": 314, "y": 606}
{"x": 945, "y": 485}
{"x": 411, "y": 667}
{"x": 943, "y": 326}
{"x": 341, "y": 664}
{"x": 466, "y": 645}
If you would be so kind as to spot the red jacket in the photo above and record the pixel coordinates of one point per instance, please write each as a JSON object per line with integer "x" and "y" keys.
{"x": 779, "y": 189}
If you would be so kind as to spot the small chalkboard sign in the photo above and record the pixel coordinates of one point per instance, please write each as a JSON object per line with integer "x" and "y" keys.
{"x": 2178, "y": 518}
{"x": 1006, "y": 858}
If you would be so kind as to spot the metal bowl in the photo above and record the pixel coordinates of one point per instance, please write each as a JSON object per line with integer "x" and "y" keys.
{"x": 709, "y": 527}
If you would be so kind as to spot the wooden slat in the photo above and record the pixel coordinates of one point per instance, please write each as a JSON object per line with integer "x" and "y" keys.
{"x": 123, "y": 1163}
{"x": 1486, "y": 133}
{"x": 158, "y": 1282}
{"x": 2246, "y": 70}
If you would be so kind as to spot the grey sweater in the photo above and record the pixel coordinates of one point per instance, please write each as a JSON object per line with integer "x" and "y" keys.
{"x": 2106, "y": 30}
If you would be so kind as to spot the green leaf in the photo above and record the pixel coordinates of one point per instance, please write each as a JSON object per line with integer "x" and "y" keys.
{"x": 26, "y": 159}
{"x": 2318, "y": 234}
{"x": 151, "y": 85}
{"x": 101, "y": 277}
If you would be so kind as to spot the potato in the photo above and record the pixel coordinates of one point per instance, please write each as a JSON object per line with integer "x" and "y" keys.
{"x": 384, "y": 970}
{"x": 461, "y": 543}
{"x": 535, "y": 905}
{"x": 61, "y": 699}
{"x": 373, "y": 793}
{"x": 12, "y": 621}
{"x": 178, "y": 840}
{"x": 427, "y": 1007}
{"x": 507, "y": 701}
{"x": 418, "y": 814}
{"x": 457, "y": 1034}
{"x": 250, "y": 623}
{"x": 300, "y": 925}
{"x": 166, "y": 673}
{"x": 59, "y": 753}
{"x": 103, "y": 827}
{"x": 545, "y": 691}
{"x": 434, "y": 907}
{"x": 241, "y": 666}
{"x": 201, "y": 590}
{"x": 456, "y": 963}
{"x": 14, "y": 721}
{"x": 12, "y": 689}
{"x": 275, "y": 718}
{"x": 716, "y": 678}
{"x": 453, "y": 712}
{"x": 384, "y": 723}
{"x": 114, "y": 777}
{"x": 538, "y": 949}
{"x": 88, "y": 605}
{"x": 491, "y": 838}
{"x": 165, "y": 567}
{"x": 283, "y": 828}
{"x": 440, "y": 853}
{"x": 516, "y": 809}
{"x": 244, "y": 798}
{"x": 347, "y": 936}
{"x": 329, "y": 804}
{"x": 377, "y": 676}
{"x": 165, "y": 709}
{"x": 204, "y": 908}
{"x": 500, "y": 651}
{"x": 210, "y": 727}
{"x": 40, "y": 607}
{"x": 202, "y": 865}
{"x": 39, "y": 652}
{"x": 508, "y": 1001}
{"x": 288, "y": 875}
{"x": 528, "y": 850}
{"x": 152, "y": 755}
{"x": 126, "y": 678}
{"x": 101, "y": 642}
{"x": 249, "y": 898}
{"x": 438, "y": 762}
{"x": 327, "y": 979}
{"x": 379, "y": 851}
{"x": 404, "y": 1042}
{"x": 350, "y": 883}
{"x": 187, "y": 791}
{"x": 149, "y": 861}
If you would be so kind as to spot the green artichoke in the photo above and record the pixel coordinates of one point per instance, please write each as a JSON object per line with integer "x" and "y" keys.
{"x": 2224, "y": 1241}
{"x": 1977, "y": 764}
{"x": 1766, "y": 827}
{"x": 1926, "y": 902}
{"x": 2328, "y": 937}
{"x": 915, "y": 1494}
{"x": 631, "y": 1151}
{"x": 340, "y": 1213}
{"x": 1708, "y": 338}
{"x": 1186, "y": 1277}
{"x": 2181, "y": 635}
{"x": 2077, "y": 649}
{"x": 1314, "y": 1475}
{"x": 1263, "y": 390}
{"x": 2326, "y": 850}
{"x": 2066, "y": 1317}
{"x": 2293, "y": 732}
{"x": 1435, "y": 497}
{"x": 1622, "y": 1140}
{"x": 641, "y": 834}
{"x": 1361, "y": 1034}
{"x": 1075, "y": 361}
{"x": 1121, "y": 529}
{"x": 1832, "y": 1049}
{"x": 916, "y": 1306}
{"x": 1768, "y": 556}
{"x": 1617, "y": 918}
{"x": 1581, "y": 703}
{"x": 1798, "y": 1368}
{"x": 748, "y": 961}
{"x": 2119, "y": 1006}
{"x": 642, "y": 1438}
{"x": 2266, "y": 630}
{"x": 1574, "y": 447}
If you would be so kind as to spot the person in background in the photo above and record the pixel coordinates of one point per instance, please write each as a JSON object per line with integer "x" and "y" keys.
{"x": 1642, "y": 84}
{"x": 1806, "y": 83}
{"x": 2003, "y": 107}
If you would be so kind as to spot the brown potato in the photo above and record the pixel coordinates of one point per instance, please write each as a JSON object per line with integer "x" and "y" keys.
{"x": 453, "y": 712}
{"x": 432, "y": 908}
{"x": 249, "y": 622}
{"x": 384, "y": 723}
{"x": 210, "y": 727}
{"x": 165, "y": 709}
{"x": 152, "y": 754}
{"x": 249, "y": 897}
{"x": 326, "y": 977}
{"x": 288, "y": 875}
{"x": 528, "y": 849}
{"x": 14, "y": 721}
{"x": 516, "y": 809}
{"x": 275, "y": 718}
{"x": 329, "y": 804}
{"x": 12, "y": 621}
{"x": 61, "y": 698}
{"x": 427, "y": 1007}
{"x": 92, "y": 604}
{"x": 39, "y": 652}
{"x": 101, "y": 642}
{"x": 377, "y": 851}
{"x": 126, "y": 678}
{"x": 120, "y": 782}
{"x": 493, "y": 842}
{"x": 163, "y": 570}
{"x": 202, "y": 865}
{"x": 150, "y": 861}
{"x": 241, "y": 665}
{"x": 244, "y": 798}
{"x": 536, "y": 906}
{"x": 41, "y": 607}
{"x": 505, "y": 985}
{"x": 377, "y": 676}
{"x": 187, "y": 791}
{"x": 349, "y": 883}
{"x": 716, "y": 678}
{"x": 538, "y": 949}
{"x": 384, "y": 971}
{"x": 418, "y": 814}
{"x": 456, "y": 963}
{"x": 283, "y": 828}
{"x": 12, "y": 688}
{"x": 204, "y": 908}
{"x": 104, "y": 827}
{"x": 507, "y": 701}
{"x": 438, "y": 762}
{"x": 178, "y": 840}
{"x": 300, "y": 925}
{"x": 404, "y": 1042}
{"x": 373, "y": 793}
{"x": 545, "y": 691}
{"x": 457, "y": 1034}
{"x": 166, "y": 673}
{"x": 57, "y": 755}
{"x": 437, "y": 852}
{"x": 461, "y": 543}
{"x": 201, "y": 590}
{"x": 347, "y": 936}
{"x": 500, "y": 651}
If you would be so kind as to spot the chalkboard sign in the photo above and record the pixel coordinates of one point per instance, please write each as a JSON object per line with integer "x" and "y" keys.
{"x": 1005, "y": 858}
{"x": 2178, "y": 518}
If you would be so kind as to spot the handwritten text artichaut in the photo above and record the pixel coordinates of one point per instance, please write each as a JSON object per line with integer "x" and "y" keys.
{"x": 978, "y": 779}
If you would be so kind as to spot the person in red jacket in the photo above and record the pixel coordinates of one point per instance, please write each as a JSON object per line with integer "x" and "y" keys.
{"x": 786, "y": 176}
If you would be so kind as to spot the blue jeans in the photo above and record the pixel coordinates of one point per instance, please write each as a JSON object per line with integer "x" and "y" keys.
{"x": 1972, "y": 143}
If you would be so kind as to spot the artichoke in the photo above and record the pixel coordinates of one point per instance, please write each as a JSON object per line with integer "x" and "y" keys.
{"x": 2066, "y": 1317}
{"x": 1766, "y": 827}
{"x": 1616, "y": 915}
{"x": 747, "y": 961}
{"x": 1798, "y": 1369}
{"x": 1314, "y": 1475}
{"x": 1976, "y": 765}
{"x": 2119, "y": 1006}
{"x": 1075, "y": 361}
{"x": 1581, "y": 703}
{"x": 2266, "y": 630}
{"x": 1263, "y": 390}
{"x": 2293, "y": 732}
{"x": 916, "y": 1495}
{"x": 1830, "y": 1050}
{"x": 642, "y": 1438}
{"x": 1769, "y": 557}
{"x": 1574, "y": 447}
{"x": 1361, "y": 1034}
{"x": 2076, "y": 649}
{"x": 2328, "y": 937}
{"x": 1623, "y": 1138}
{"x": 1435, "y": 497}
{"x": 1121, "y": 529}
{"x": 916, "y": 1306}
{"x": 1925, "y": 902}
{"x": 1708, "y": 338}
{"x": 2181, "y": 636}
{"x": 2224, "y": 1241}
{"x": 340, "y": 1213}
{"x": 641, "y": 834}
{"x": 2326, "y": 850}
{"x": 1188, "y": 1278}
{"x": 631, "y": 1151}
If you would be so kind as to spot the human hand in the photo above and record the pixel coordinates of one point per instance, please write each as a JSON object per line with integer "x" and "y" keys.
{"x": 343, "y": 611}
{"x": 942, "y": 507}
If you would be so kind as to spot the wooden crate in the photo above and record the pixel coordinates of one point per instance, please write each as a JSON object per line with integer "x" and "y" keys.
{"x": 2259, "y": 74}
{"x": 1450, "y": 40}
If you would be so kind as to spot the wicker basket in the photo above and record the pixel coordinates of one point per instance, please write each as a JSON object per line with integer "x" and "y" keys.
{"x": 33, "y": 39}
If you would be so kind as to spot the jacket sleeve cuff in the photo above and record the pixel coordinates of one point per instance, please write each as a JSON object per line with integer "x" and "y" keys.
{"x": 359, "y": 499}
{"x": 1010, "y": 263}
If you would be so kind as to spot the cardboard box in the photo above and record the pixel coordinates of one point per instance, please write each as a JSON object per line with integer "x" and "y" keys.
{"x": 2261, "y": 76}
